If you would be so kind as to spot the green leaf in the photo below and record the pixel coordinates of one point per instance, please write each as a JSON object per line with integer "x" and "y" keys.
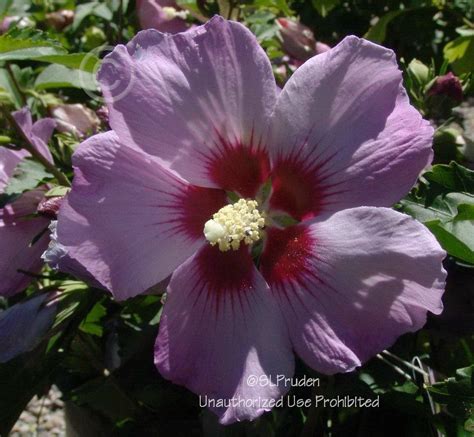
{"x": 79, "y": 61}
{"x": 450, "y": 242}
{"x": 97, "y": 9}
{"x": 378, "y": 31}
{"x": 91, "y": 323}
{"x": 449, "y": 178}
{"x": 27, "y": 175}
{"x": 325, "y": 6}
{"x": 460, "y": 54}
{"x": 26, "y": 44}
{"x": 451, "y": 219}
{"x": 8, "y": 87}
{"x": 58, "y": 76}
{"x": 58, "y": 191}
{"x": 457, "y": 393}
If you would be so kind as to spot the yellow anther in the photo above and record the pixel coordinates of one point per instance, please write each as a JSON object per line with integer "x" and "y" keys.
{"x": 241, "y": 221}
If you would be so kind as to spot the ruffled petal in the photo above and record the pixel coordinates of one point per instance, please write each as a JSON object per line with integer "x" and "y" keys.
{"x": 221, "y": 332}
{"x": 39, "y": 133}
{"x": 199, "y": 101}
{"x": 351, "y": 284}
{"x": 129, "y": 221}
{"x": 344, "y": 133}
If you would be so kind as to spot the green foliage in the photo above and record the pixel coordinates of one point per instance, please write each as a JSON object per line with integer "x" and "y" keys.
{"x": 27, "y": 175}
{"x": 457, "y": 393}
{"x": 445, "y": 204}
{"x": 21, "y": 44}
{"x": 460, "y": 54}
{"x": 58, "y": 76}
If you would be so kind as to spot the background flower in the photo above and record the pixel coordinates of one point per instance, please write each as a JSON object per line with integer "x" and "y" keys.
{"x": 18, "y": 224}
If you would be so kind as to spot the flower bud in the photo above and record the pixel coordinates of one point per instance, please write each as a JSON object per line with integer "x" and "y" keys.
{"x": 76, "y": 118}
{"x": 20, "y": 22}
{"x": 49, "y": 206}
{"x": 297, "y": 40}
{"x": 60, "y": 19}
{"x": 103, "y": 114}
{"x": 447, "y": 85}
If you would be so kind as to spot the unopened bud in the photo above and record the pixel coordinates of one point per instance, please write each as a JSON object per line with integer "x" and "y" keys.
{"x": 60, "y": 19}
{"x": 49, "y": 206}
{"x": 447, "y": 85}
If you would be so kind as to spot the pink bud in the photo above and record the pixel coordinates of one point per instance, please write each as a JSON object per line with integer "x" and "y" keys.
{"x": 447, "y": 85}
{"x": 60, "y": 19}
{"x": 77, "y": 119}
{"x": 298, "y": 40}
{"x": 103, "y": 114}
{"x": 49, "y": 206}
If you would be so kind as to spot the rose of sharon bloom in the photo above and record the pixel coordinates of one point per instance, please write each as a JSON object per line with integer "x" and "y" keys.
{"x": 298, "y": 40}
{"x": 163, "y": 15}
{"x": 202, "y": 117}
{"x": 17, "y": 226}
{"x": 75, "y": 118}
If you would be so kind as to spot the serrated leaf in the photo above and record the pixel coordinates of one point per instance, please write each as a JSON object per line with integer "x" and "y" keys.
{"x": 28, "y": 174}
{"x": 58, "y": 76}
{"x": 449, "y": 178}
{"x": 18, "y": 44}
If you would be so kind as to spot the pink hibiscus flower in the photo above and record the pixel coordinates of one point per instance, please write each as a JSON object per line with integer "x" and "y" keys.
{"x": 163, "y": 15}
{"x": 18, "y": 227}
{"x": 202, "y": 118}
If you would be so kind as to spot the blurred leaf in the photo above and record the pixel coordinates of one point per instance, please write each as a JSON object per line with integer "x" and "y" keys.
{"x": 58, "y": 76}
{"x": 11, "y": 8}
{"x": 28, "y": 174}
{"x": 79, "y": 61}
{"x": 325, "y": 6}
{"x": 20, "y": 44}
{"x": 9, "y": 87}
{"x": 58, "y": 191}
{"x": 460, "y": 54}
{"x": 378, "y": 31}
{"x": 97, "y": 9}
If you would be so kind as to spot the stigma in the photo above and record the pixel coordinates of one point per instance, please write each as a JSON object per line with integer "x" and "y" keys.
{"x": 235, "y": 223}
